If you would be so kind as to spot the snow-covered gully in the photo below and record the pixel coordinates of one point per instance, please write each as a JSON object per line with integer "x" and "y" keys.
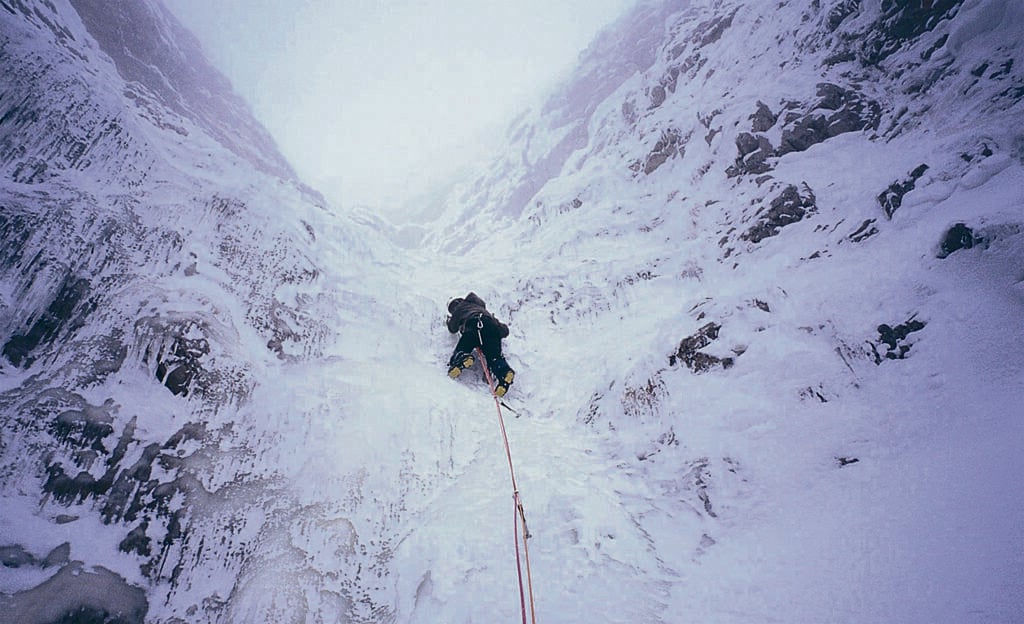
{"x": 763, "y": 265}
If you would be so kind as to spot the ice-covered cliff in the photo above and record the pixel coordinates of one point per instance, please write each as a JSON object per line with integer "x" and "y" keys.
{"x": 764, "y": 269}
{"x": 163, "y": 275}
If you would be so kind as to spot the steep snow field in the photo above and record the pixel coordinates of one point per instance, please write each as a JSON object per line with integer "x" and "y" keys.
{"x": 802, "y": 484}
{"x": 815, "y": 480}
{"x": 762, "y": 375}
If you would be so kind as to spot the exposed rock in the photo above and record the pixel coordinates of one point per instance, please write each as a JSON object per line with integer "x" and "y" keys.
{"x": 188, "y": 431}
{"x": 689, "y": 350}
{"x": 629, "y": 113}
{"x": 747, "y": 143}
{"x": 15, "y": 556}
{"x": 671, "y": 144}
{"x": 31, "y": 171}
{"x": 641, "y": 401}
{"x": 838, "y": 110}
{"x": 698, "y": 477}
{"x": 60, "y": 555}
{"x": 815, "y": 393}
{"x": 981, "y": 151}
{"x": 789, "y": 207}
{"x": 712, "y": 30}
{"x": 132, "y": 491}
{"x": 76, "y": 595}
{"x": 704, "y": 34}
{"x": 763, "y": 119}
{"x": 71, "y": 297}
{"x": 753, "y": 148}
{"x": 137, "y": 541}
{"x": 657, "y": 95}
{"x": 804, "y": 132}
{"x": 866, "y": 230}
{"x": 753, "y": 153}
{"x": 902, "y": 21}
{"x": 838, "y": 13}
{"x": 957, "y": 237}
{"x": 67, "y": 490}
{"x": 898, "y": 25}
{"x": 895, "y": 340}
{"x": 892, "y": 198}
{"x": 86, "y": 425}
{"x": 180, "y": 366}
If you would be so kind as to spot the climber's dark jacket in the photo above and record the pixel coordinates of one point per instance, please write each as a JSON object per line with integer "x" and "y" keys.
{"x": 471, "y": 307}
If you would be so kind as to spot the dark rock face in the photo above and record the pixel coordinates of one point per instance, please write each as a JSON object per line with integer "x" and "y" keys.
{"x": 688, "y": 353}
{"x": 689, "y": 57}
{"x": 902, "y": 21}
{"x": 62, "y": 257}
{"x": 899, "y": 24}
{"x": 790, "y": 206}
{"x": 60, "y": 555}
{"x": 763, "y": 119}
{"x": 840, "y": 12}
{"x": 754, "y": 152}
{"x": 99, "y": 464}
{"x": 670, "y": 145}
{"x": 895, "y": 340}
{"x": 137, "y": 541}
{"x": 85, "y": 425}
{"x": 15, "y": 556}
{"x": 866, "y": 230}
{"x": 181, "y": 364}
{"x": 892, "y": 198}
{"x": 69, "y": 307}
{"x": 76, "y": 595}
{"x": 957, "y": 237}
{"x": 836, "y": 110}
{"x": 657, "y": 95}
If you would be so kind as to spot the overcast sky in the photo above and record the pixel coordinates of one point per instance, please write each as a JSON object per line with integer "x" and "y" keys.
{"x": 385, "y": 96}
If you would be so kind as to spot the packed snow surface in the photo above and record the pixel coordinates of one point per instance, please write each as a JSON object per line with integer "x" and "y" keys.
{"x": 756, "y": 380}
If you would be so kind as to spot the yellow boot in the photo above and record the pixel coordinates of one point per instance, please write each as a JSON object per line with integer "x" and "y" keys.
{"x": 457, "y": 368}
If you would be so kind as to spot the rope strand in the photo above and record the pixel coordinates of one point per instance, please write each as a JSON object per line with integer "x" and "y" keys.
{"x": 519, "y": 513}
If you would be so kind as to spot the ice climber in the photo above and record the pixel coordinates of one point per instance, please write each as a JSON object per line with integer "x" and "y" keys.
{"x": 469, "y": 316}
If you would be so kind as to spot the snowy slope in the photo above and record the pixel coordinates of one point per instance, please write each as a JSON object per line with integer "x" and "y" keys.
{"x": 752, "y": 384}
{"x": 748, "y": 177}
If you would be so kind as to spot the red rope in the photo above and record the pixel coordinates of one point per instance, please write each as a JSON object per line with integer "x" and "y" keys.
{"x": 519, "y": 565}
{"x": 518, "y": 513}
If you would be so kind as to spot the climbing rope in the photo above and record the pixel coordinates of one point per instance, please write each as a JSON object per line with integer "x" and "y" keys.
{"x": 519, "y": 513}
